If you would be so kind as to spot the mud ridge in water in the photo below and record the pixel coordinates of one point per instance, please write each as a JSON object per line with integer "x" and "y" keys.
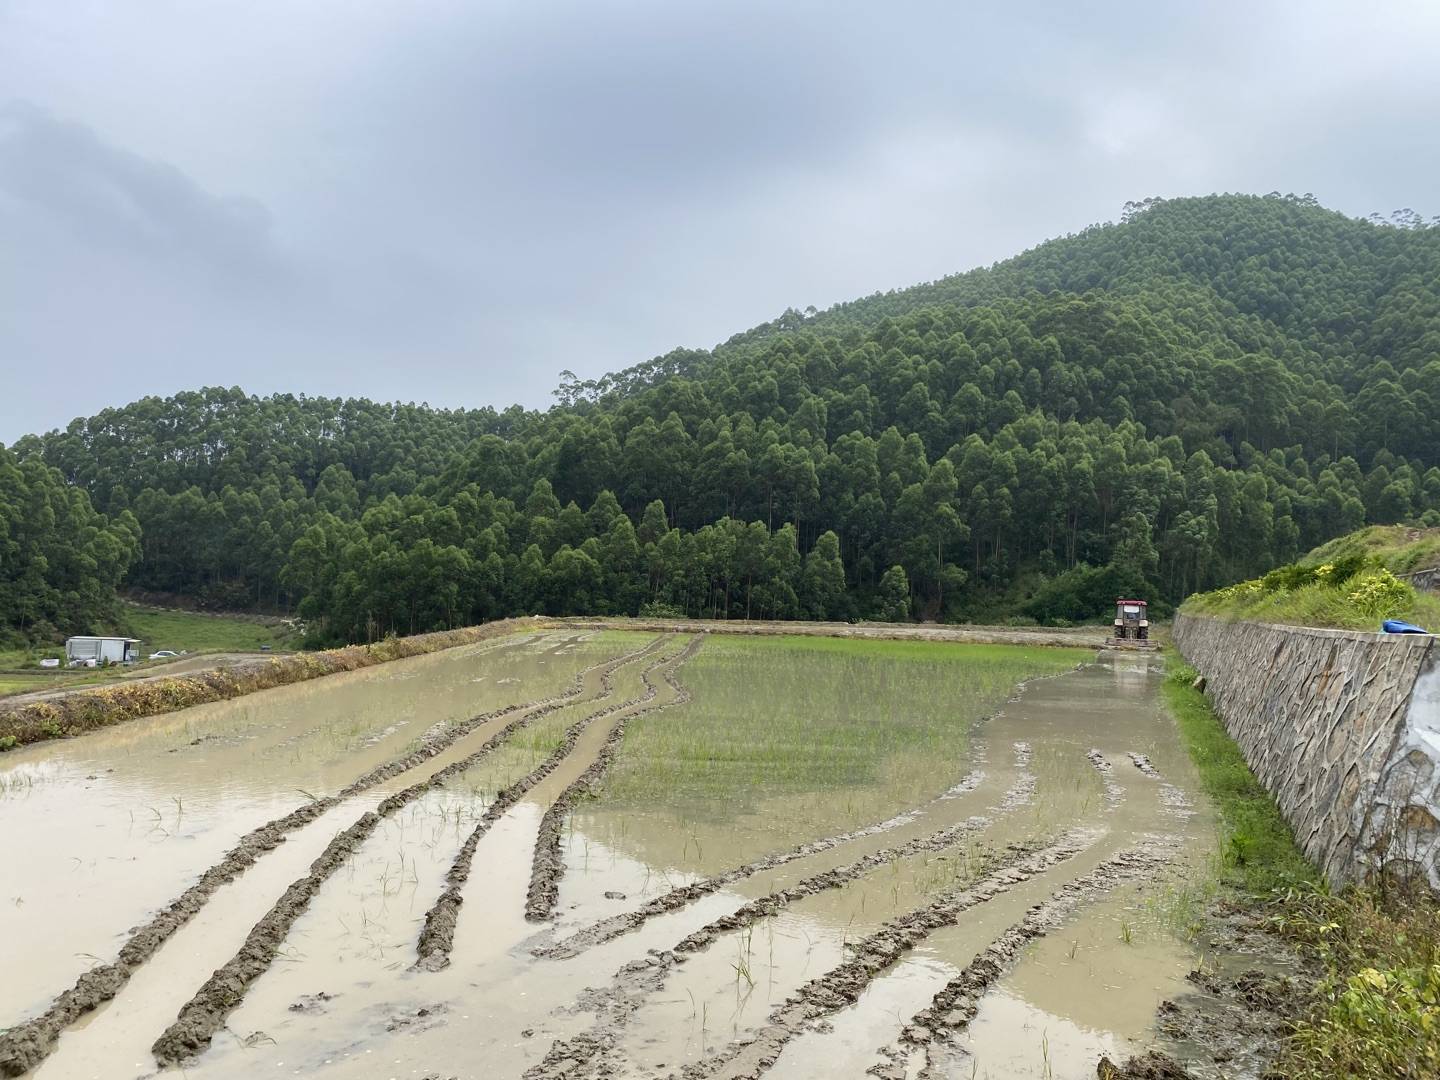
{"x": 607, "y": 929}
{"x": 585, "y": 1055}
{"x": 598, "y": 933}
{"x": 843, "y": 985}
{"x": 437, "y": 937}
{"x": 1114, "y": 793}
{"x": 1142, "y": 763}
{"x": 25, "y": 1045}
{"x": 205, "y": 1013}
{"x": 958, "y": 1001}
{"x": 548, "y": 863}
{"x": 1174, "y": 802}
{"x": 828, "y": 879}
{"x": 1022, "y": 792}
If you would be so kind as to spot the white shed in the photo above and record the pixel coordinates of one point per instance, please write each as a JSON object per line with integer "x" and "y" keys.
{"x": 100, "y": 650}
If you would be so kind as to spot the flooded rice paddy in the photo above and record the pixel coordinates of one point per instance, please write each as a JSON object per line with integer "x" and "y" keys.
{"x": 607, "y": 854}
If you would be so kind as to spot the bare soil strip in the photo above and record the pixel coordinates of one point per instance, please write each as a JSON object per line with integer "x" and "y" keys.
{"x": 586, "y": 1054}
{"x": 25, "y": 1045}
{"x": 438, "y": 936}
{"x": 205, "y": 1013}
{"x": 548, "y": 863}
{"x": 598, "y": 933}
{"x": 955, "y": 1005}
{"x": 1082, "y": 637}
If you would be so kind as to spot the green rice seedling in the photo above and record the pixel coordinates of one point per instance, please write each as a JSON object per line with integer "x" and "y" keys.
{"x": 844, "y": 731}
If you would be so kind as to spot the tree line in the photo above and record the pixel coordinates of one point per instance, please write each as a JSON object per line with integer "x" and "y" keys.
{"x": 1171, "y": 403}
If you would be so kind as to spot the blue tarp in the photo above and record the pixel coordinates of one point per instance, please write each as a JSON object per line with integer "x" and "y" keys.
{"x": 1395, "y": 626}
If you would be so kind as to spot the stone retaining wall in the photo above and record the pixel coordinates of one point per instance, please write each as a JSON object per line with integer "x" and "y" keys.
{"x": 1425, "y": 580}
{"x": 1343, "y": 728}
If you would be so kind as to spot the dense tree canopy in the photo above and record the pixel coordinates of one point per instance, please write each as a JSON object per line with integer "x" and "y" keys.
{"x": 60, "y": 561}
{"x": 1170, "y": 403}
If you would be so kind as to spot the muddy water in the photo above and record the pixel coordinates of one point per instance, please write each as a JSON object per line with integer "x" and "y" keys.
{"x": 1128, "y": 954}
{"x": 110, "y": 826}
{"x": 344, "y": 1001}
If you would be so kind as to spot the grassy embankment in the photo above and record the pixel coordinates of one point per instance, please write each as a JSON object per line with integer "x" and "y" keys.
{"x": 1350, "y": 583}
{"x": 1376, "y": 1012}
{"x": 101, "y": 706}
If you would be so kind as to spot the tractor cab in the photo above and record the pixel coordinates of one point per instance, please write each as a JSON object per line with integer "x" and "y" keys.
{"x": 1131, "y": 623}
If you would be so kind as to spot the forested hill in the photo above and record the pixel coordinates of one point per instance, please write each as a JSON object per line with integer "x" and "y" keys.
{"x": 1173, "y": 402}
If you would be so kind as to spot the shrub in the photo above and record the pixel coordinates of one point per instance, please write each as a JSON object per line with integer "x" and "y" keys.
{"x": 1380, "y": 595}
{"x": 1290, "y": 577}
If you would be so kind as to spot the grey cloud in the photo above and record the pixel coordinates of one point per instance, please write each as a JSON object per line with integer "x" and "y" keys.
{"x": 464, "y": 199}
{"x": 104, "y": 195}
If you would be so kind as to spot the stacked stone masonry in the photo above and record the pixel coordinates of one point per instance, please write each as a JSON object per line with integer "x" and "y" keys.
{"x": 1425, "y": 580}
{"x": 1342, "y": 728}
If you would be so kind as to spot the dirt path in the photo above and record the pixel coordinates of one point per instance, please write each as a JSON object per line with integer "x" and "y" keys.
{"x": 1081, "y": 637}
{"x": 25, "y": 1045}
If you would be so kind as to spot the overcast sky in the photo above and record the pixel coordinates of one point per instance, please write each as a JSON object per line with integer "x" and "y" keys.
{"x": 451, "y": 202}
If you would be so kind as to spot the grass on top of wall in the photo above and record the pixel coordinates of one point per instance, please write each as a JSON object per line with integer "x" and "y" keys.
{"x": 1310, "y": 596}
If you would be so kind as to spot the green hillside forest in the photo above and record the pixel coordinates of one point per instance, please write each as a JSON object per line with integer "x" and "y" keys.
{"x": 1180, "y": 400}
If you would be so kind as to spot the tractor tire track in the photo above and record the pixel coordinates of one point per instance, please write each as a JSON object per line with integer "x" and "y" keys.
{"x": 769, "y": 905}
{"x": 1174, "y": 802}
{"x": 587, "y": 1054}
{"x": 27, "y": 1044}
{"x": 547, "y": 865}
{"x": 1114, "y": 793}
{"x": 205, "y": 1013}
{"x": 1020, "y": 793}
{"x": 437, "y": 937}
{"x": 843, "y": 985}
{"x": 956, "y": 1004}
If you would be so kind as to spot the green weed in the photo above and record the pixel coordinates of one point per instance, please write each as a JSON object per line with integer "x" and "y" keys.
{"x": 1258, "y": 851}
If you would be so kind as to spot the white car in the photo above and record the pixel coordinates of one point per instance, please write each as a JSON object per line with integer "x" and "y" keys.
{"x": 163, "y": 654}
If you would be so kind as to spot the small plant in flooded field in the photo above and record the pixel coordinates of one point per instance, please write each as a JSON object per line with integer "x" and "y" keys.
{"x": 742, "y": 971}
{"x": 1126, "y": 933}
{"x": 862, "y": 723}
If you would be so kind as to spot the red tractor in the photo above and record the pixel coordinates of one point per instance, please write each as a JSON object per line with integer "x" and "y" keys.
{"x": 1131, "y": 623}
